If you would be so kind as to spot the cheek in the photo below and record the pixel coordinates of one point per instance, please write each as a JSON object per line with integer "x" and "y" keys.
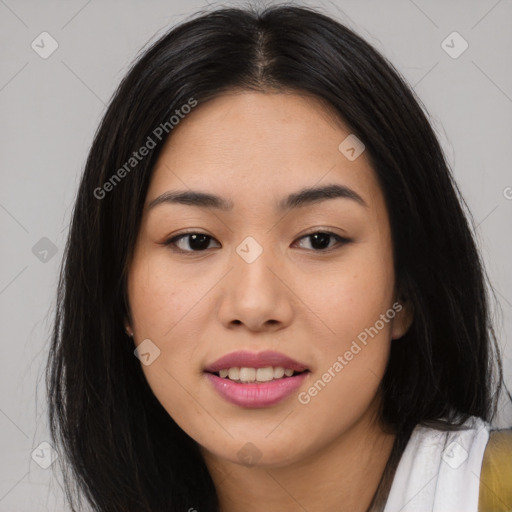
{"x": 354, "y": 352}
{"x": 351, "y": 296}
{"x": 166, "y": 306}
{"x": 353, "y": 302}
{"x": 160, "y": 296}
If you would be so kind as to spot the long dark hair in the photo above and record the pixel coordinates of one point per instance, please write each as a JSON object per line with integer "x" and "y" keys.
{"x": 120, "y": 448}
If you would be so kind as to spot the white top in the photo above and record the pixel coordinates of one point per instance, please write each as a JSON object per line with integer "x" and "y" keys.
{"x": 440, "y": 471}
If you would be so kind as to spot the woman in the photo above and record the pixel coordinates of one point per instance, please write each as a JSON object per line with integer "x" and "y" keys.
{"x": 327, "y": 345}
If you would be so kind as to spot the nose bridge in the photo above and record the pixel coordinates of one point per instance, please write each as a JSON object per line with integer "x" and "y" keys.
{"x": 252, "y": 258}
{"x": 253, "y": 295}
{"x": 250, "y": 249}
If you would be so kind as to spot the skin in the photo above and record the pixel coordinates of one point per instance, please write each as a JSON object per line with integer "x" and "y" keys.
{"x": 254, "y": 148}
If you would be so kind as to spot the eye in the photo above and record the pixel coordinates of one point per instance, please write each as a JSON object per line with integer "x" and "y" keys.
{"x": 320, "y": 240}
{"x": 196, "y": 242}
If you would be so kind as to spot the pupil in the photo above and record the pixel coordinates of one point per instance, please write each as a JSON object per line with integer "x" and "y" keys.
{"x": 198, "y": 242}
{"x": 322, "y": 237}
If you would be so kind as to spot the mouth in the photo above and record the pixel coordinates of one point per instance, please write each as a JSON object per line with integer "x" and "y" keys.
{"x": 256, "y": 380}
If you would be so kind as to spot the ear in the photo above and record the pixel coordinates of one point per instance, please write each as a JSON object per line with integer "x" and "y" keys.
{"x": 128, "y": 328}
{"x": 403, "y": 318}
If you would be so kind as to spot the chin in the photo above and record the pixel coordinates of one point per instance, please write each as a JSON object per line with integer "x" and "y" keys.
{"x": 254, "y": 451}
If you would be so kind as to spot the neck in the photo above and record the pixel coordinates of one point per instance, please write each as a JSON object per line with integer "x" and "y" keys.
{"x": 342, "y": 476}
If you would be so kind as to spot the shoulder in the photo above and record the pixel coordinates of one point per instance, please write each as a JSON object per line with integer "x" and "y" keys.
{"x": 496, "y": 473}
{"x": 443, "y": 460}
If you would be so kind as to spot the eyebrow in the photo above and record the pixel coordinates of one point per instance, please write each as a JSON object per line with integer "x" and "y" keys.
{"x": 304, "y": 197}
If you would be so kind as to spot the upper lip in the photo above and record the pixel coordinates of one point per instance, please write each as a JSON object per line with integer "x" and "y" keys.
{"x": 244, "y": 358}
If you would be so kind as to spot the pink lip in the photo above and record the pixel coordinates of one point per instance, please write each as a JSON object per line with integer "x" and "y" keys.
{"x": 256, "y": 394}
{"x": 244, "y": 358}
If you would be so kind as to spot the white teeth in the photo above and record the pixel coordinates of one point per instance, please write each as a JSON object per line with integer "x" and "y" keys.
{"x": 265, "y": 374}
{"x": 233, "y": 373}
{"x": 278, "y": 372}
{"x": 245, "y": 374}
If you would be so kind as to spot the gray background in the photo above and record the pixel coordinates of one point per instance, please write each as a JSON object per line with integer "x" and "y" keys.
{"x": 51, "y": 107}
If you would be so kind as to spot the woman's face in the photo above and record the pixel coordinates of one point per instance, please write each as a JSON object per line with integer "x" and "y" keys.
{"x": 254, "y": 280}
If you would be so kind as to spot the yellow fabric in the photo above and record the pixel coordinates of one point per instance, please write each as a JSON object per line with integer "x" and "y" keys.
{"x": 496, "y": 475}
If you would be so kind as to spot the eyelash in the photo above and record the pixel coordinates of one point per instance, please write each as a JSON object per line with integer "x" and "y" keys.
{"x": 171, "y": 241}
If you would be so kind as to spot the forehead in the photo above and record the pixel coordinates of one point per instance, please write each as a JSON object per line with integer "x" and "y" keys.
{"x": 257, "y": 146}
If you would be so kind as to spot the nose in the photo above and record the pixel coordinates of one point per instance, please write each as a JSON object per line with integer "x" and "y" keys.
{"x": 257, "y": 294}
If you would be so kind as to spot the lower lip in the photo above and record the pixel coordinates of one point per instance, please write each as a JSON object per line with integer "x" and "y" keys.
{"x": 256, "y": 394}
